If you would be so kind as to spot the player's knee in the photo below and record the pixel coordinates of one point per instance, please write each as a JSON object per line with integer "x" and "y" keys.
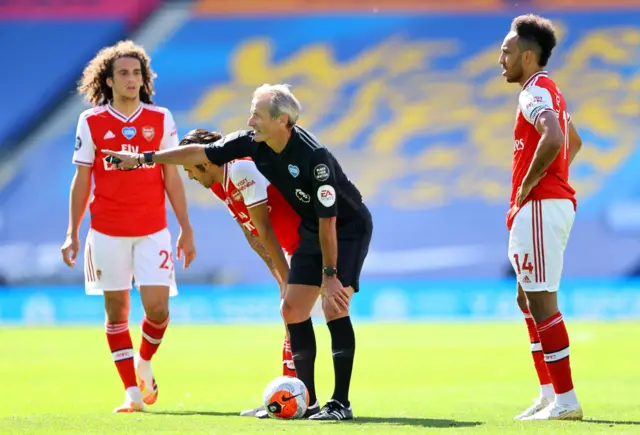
{"x": 117, "y": 310}
{"x": 543, "y": 305}
{"x": 286, "y": 310}
{"x": 291, "y": 313}
{"x": 331, "y": 313}
{"x": 157, "y": 311}
{"x": 155, "y": 301}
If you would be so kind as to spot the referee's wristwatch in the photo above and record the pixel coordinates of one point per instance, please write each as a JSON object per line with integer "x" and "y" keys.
{"x": 148, "y": 157}
{"x": 329, "y": 271}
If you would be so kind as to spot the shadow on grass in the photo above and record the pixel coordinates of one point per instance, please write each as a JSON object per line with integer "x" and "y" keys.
{"x": 412, "y": 421}
{"x": 612, "y": 422}
{"x": 209, "y": 413}
{"x": 400, "y": 421}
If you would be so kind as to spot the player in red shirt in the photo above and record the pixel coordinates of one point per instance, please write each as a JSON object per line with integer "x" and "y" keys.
{"x": 542, "y": 210}
{"x": 128, "y": 237}
{"x": 266, "y": 218}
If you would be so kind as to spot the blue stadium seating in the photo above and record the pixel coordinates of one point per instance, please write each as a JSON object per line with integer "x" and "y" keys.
{"x": 42, "y": 61}
{"x": 416, "y": 109}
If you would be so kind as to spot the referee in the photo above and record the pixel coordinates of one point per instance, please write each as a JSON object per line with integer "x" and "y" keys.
{"x": 336, "y": 229}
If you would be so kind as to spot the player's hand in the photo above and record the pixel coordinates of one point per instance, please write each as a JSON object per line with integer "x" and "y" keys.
{"x": 525, "y": 189}
{"x": 70, "y": 249}
{"x": 336, "y": 294}
{"x": 127, "y": 159}
{"x": 186, "y": 247}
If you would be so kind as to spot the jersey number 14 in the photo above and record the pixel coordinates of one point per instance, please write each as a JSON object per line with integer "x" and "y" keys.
{"x": 525, "y": 265}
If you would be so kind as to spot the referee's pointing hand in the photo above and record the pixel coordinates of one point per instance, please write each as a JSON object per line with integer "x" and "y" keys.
{"x": 127, "y": 159}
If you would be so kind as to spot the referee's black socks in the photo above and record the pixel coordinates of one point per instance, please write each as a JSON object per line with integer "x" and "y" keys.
{"x": 303, "y": 348}
{"x": 343, "y": 346}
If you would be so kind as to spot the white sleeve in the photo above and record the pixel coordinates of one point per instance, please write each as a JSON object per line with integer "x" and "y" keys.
{"x": 249, "y": 181}
{"x": 170, "y": 138}
{"x": 85, "y": 150}
{"x": 534, "y": 101}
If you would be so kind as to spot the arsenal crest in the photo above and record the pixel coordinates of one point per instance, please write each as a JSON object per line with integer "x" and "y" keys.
{"x": 148, "y": 133}
{"x": 236, "y": 195}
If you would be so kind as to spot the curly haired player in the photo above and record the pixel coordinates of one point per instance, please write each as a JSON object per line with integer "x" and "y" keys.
{"x": 128, "y": 237}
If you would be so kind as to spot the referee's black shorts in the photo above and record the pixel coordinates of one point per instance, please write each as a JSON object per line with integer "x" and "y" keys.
{"x": 353, "y": 246}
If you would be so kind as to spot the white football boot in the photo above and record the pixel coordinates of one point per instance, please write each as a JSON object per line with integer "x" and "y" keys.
{"x": 538, "y": 405}
{"x": 132, "y": 401}
{"x": 255, "y": 412}
{"x": 146, "y": 381}
{"x": 556, "y": 411}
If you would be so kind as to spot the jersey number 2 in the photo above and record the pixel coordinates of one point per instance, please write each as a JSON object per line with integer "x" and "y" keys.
{"x": 167, "y": 262}
{"x": 526, "y": 264}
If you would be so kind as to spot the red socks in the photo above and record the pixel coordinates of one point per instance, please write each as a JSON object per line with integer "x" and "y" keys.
{"x": 288, "y": 368}
{"x": 536, "y": 349}
{"x": 555, "y": 345}
{"x": 152, "y": 334}
{"x": 122, "y": 351}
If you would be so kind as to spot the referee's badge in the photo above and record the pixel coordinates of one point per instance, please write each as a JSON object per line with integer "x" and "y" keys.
{"x": 294, "y": 170}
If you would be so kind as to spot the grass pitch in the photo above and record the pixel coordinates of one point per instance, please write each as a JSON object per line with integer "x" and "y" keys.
{"x": 408, "y": 378}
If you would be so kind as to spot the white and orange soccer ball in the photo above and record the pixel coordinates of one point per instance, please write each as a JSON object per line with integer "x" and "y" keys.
{"x": 285, "y": 398}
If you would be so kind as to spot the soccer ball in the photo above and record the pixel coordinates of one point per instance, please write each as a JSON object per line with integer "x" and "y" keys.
{"x": 285, "y": 398}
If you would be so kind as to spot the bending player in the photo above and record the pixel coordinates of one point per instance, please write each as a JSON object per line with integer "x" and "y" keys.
{"x": 267, "y": 220}
{"x": 542, "y": 210}
{"x": 128, "y": 236}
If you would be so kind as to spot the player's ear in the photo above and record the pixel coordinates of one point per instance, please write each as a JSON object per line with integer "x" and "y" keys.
{"x": 109, "y": 82}
{"x": 528, "y": 56}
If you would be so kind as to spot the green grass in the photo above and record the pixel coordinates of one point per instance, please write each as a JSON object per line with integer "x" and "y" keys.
{"x": 408, "y": 378}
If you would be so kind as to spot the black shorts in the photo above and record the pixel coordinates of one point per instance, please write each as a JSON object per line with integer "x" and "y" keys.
{"x": 353, "y": 246}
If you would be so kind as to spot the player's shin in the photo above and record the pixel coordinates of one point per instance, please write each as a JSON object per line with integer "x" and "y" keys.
{"x": 121, "y": 346}
{"x": 555, "y": 345}
{"x": 303, "y": 348}
{"x": 343, "y": 346}
{"x": 546, "y": 388}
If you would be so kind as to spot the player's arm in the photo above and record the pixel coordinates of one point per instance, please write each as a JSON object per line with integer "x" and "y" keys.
{"x": 83, "y": 158}
{"x": 254, "y": 185}
{"x": 262, "y": 252}
{"x": 260, "y": 217}
{"x": 175, "y": 191}
{"x": 326, "y": 205}
{"x": 575, "y": 142}
{"x": 78, "y": 199}
{"x": 172, "y": 180}
{"x": 177, "y": 197}
{"x": 537, "y": 107}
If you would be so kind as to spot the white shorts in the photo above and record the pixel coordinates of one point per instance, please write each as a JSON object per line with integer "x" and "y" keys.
{"x": 112, "y": 262}
{"x": 537, "y": 241}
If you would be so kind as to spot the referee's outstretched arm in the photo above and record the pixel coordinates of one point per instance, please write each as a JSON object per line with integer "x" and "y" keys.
{"x": 232, "y": 146}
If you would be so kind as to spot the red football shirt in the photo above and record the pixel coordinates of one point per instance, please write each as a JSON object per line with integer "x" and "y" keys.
{"x": 245, "y": 187}
{"x": 125, "y": 203}
{"x": 539, "y": 94}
